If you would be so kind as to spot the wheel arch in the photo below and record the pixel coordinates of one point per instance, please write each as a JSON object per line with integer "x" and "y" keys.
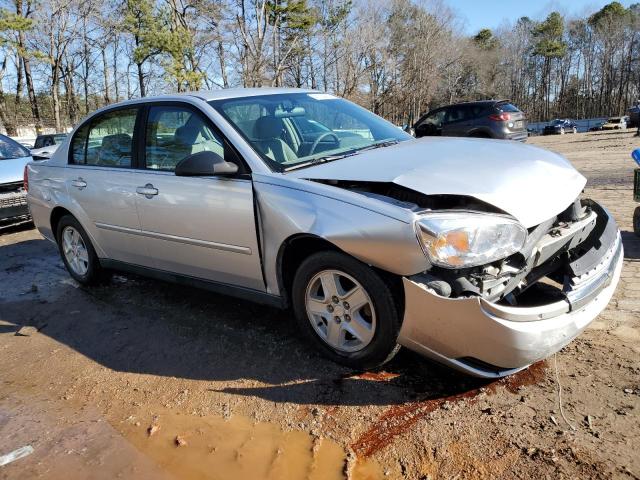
{"x": 296, "y": 248}
{"x": 292, "y": 253}
{"x": 56, "y": 214}
{"x": 480, "y": 133}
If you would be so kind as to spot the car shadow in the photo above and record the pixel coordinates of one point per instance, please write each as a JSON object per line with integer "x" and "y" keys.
{"x": 145, "y": 326}
{"x": 631, "y": 244}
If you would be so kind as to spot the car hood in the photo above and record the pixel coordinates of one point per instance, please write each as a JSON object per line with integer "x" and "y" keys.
{"x": 529, "y": 183}
{"x": 12, "y": 170}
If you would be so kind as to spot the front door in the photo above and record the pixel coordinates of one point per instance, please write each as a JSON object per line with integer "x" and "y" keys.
{"x": 202, "y": 227}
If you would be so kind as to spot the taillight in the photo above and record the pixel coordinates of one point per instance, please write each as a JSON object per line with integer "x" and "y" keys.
{"x": 500, "y": 117}
{"x": 25, "y": 178}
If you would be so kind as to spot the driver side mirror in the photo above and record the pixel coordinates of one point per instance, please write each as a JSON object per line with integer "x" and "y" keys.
{"x": 204, "y": 164}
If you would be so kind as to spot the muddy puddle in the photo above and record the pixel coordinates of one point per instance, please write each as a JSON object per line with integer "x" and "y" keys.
{"x": 192, "y": 447}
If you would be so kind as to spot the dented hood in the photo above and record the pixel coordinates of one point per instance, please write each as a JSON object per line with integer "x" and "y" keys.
{"x": 529, "y": 183}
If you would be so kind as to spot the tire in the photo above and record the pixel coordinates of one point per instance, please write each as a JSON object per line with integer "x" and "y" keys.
{"x": 562, "y": 131}
{"x": 575, "y": 130}
{"x": 85, "y": 269}
{"x": 375, "y": 325}
{"x": 636, "y": 221}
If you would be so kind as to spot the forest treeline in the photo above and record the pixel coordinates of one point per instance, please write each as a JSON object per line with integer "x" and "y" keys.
{"x": 60, "y": 59}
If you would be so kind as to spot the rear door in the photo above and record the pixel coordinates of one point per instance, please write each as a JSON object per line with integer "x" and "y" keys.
{"x": 102, "y": 184}
{"x": 457, "y": 121}
{"x": 202, "y": 227}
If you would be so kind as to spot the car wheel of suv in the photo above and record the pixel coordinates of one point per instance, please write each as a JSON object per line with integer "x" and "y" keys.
{"x": 346, "y": 310}
{"x": 575, "y": 129}
{"x": 562, "y": 131}
{"x": 77, "y": 252}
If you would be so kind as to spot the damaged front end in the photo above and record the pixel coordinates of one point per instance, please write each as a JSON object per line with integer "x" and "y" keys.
{"x": 555, "y": 257}
{"x": 519, "y": 297}
{"x": 518, "y": 310}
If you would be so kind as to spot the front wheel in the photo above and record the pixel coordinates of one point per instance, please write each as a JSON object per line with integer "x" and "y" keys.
{"x": 347, "y": 311}
{"x": 575, "y": 130}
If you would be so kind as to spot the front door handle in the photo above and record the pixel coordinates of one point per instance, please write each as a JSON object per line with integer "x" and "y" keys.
{"x": 148, "y": 190}
{"x": 79, "y": 183}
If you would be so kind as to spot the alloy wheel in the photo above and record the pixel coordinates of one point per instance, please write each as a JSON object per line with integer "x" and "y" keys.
{"x": 340, "y": 311}
{"x": 75, "y": 251}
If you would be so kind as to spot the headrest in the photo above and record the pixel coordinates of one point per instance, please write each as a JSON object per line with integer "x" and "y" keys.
{"x": 188, "y": 133}
{"x": 267, "y": 127}
{"x": 120, "y": 142}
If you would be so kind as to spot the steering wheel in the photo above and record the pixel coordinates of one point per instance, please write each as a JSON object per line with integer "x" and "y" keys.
{"x": 319, "y": 139}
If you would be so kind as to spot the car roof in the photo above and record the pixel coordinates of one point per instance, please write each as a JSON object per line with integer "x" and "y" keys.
{"x": 222, "y": 94}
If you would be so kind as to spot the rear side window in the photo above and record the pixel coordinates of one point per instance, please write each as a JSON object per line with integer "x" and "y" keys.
{"x": 507, "y": 107}
{"x": 107, "y": 141}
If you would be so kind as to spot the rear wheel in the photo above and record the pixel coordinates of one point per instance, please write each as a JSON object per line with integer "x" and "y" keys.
{"x": 562, "y": 131}
{"x": 346, "y": 310}
{"x": 77, "y": 252}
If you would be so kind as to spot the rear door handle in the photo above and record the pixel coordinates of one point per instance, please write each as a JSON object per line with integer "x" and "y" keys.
{"x": 79, "y": 183}
{"x": 148, "y": 190}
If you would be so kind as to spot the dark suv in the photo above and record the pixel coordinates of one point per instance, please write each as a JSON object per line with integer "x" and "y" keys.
{"x": 485, "y": 119}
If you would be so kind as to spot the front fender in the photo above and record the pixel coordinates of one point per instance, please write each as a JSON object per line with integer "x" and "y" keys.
{"x": 372, "y": 237}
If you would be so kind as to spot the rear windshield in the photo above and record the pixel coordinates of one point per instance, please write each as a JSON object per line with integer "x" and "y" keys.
{"x": 507, "y": 107}
{"x": 11, "y": 149}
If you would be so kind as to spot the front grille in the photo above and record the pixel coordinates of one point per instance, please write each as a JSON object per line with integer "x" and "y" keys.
{"x": 14, "y": 199}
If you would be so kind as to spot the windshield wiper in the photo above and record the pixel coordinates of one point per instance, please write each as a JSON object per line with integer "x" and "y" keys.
{"x": 340, "y": 156}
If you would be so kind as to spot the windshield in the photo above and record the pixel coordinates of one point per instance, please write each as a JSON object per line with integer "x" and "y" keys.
{"x": 298, "y": 129}
{"x": 558, "y": 122}
{"x": 11, "y": 149}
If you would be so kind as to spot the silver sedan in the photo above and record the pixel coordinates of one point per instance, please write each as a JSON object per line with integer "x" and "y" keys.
{"x": 476, "y": 253}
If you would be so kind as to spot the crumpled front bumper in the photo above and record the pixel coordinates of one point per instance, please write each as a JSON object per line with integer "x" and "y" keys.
{"x": 491, "y": 340}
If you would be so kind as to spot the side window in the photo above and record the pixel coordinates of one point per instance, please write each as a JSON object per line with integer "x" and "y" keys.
{"x": 454, "y": 114}
{"x": 435, "y": 119}
{"x": 174, "y": 133}
{"x": 109, "y": 142}
{"x": 78, "y": 145}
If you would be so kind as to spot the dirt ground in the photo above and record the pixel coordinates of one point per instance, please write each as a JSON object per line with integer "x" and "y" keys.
{"x": 143, "y": 379}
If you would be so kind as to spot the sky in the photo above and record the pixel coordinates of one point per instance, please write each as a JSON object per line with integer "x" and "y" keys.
{"x": 492, "y": 13}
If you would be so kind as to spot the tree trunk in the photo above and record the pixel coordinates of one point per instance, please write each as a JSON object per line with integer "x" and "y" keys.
{"x": 105, "y": 72}
{"x": 55, "y": 95}
{"x": 141, "y": 80}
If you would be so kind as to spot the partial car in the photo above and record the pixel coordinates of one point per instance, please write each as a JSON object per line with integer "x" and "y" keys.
{"x": 498, "y": 119}
{"x": 13, "y": 198}
{"x": 633, "y": 114}
{"x": 615, "y": 123}
{"x": 560, "y": 127}
{"x": 46, "y": 144}
{"x": 49, "y": 139}
{"x": 482, "y": 255}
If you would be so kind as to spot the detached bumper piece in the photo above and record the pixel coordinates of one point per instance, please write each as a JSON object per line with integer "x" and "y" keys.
{"x": 13, "y": 206}
{"x": 491, "y": 340}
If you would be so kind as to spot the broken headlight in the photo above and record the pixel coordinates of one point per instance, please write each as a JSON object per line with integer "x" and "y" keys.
{"x": 467, "y": 239}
